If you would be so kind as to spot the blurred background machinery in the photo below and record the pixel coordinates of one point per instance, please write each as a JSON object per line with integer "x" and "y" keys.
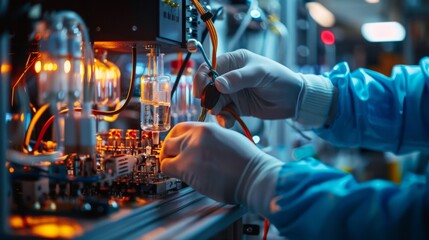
{"x": 90, "y": 88}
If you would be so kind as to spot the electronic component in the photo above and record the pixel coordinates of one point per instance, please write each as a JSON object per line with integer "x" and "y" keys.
{"x": 117, "y": 166}
{"x": 33, "y": 191}
{"x": 166, "y": 23}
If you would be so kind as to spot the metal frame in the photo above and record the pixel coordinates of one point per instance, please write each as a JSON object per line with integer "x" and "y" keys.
{"x": 4, "y": 100}
{"x": 182, "y": 215}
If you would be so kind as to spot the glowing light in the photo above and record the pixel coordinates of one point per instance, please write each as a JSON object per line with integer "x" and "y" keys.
{"x": 49, "y": 67}
{"x": 383, "y": 32}
{"x": 372, "y": 1}
{"x": 16, "y": 222}
{"x": 53, "y": 206}
{"x": 81, "y": 68}
{"x": 52, "y": 230}
{"x": 166, "y": 87}
{"x": 11, "y": 170}
{"x": 255, "y": 13}
{"x": 5, "y": 68}
{"x": 67, "y": 66}
{"x": 327, "y": 37}
{"x": 321, "y": 14}
{"x": 38, "y": 36}
{"x": 38, "y": 66}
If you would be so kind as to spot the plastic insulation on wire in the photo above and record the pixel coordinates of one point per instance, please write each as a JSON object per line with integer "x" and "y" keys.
{"x": 179, "y": 75}
{"x": 211, "y": 29}
{"x": 266, "y": 228}
{"x": 33, "y": 123}
{"x": 210, "y": 95}
{"x": 216, "y": 14}
{"x": 246, "y": 131}
{"x": 213, "y": 36}
{"x": 188, "y": 55}
{"x": 15, "y": 84}
{"x": 94, "y": 111}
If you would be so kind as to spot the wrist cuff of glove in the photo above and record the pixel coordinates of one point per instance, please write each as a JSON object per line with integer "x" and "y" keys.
{"x": 314, "y": 101}
{"x": 258, "y": 182}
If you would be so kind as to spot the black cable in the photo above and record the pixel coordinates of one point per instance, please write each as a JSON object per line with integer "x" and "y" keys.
{"x": 179, "y": 75}
{"x": 188, "y": 55}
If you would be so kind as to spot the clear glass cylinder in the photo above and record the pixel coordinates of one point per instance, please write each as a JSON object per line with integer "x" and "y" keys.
{"x": 100, "y": 82}
{"x": 73, "y": 65}
{"x": 53, "y": 65}
{"x": 52, "y": 81}
{"x": 155, "y": 103}
{"x": 113, "y": 86}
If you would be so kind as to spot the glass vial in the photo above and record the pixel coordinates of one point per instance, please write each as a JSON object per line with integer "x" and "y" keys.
{"x": 155, "y": 96}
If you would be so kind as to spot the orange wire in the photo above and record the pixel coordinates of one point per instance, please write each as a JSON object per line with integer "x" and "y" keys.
{"x": 42, "y": 132}
{"x": 214, "y": 39}
{"x": 211, "y": 29}
{"x": 246, "y": 131}
{"x": 240, "y": 121}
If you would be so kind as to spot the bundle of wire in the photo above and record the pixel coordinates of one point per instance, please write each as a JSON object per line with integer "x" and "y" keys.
{"x": 214, "y": 39}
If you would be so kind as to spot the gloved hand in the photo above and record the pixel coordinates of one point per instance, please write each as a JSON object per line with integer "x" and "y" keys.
{"x": 220, "y": 163}
{"x": 260, "y": 87}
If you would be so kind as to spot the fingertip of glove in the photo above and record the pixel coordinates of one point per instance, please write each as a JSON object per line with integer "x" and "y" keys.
{"x": 225, "y": 120}
{"x": 222, "y": 85}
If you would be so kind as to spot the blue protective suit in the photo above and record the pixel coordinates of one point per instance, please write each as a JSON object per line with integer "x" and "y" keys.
{"x": 314, "y": 201}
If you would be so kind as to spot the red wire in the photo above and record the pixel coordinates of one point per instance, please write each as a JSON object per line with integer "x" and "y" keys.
{"x": 249, "y": 136}
{"x": 240, "y": 121}
{"x": 46, "y": 126}
{"x": 43, "y": 131}
{"x": 266, "y": 228}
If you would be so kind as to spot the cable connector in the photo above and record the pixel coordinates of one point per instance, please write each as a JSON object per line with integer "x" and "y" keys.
{"x": 206, "y": 16}
{"x": 192, "y": 45}
{"x": 210, "y": 96}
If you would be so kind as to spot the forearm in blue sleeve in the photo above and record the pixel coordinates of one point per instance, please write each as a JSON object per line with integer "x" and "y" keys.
{"x": 314, "y": 201}
{"x": 379, "y": 112}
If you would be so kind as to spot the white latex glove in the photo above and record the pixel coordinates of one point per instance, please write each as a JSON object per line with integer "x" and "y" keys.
{"x": 260, "y": 87}
{"x": 220, "y": 163}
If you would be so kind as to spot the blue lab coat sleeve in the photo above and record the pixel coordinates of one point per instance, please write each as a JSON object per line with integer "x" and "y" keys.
{"x": 379, "y": 112}
{"x": 374, "y": 111}
{"x": 314, "y": 201}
